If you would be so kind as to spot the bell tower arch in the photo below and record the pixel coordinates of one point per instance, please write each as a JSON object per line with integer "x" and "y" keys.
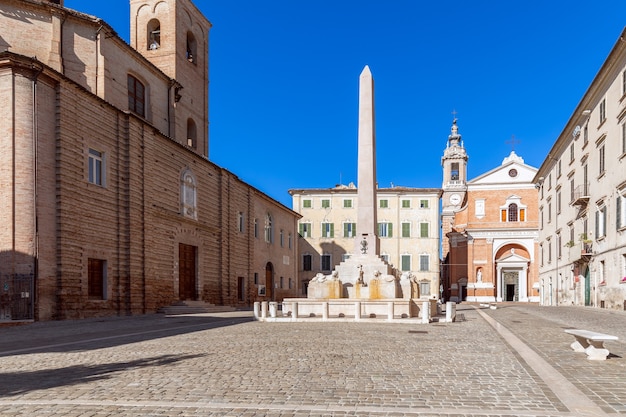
{"x": 174, "y": 36}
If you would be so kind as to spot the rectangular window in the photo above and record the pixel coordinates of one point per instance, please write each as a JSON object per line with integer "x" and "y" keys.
{"x": 550, "y": 212}
{"x": 325, "y": 262}
{"x": 601, "y": 221}
{"x": 541, "y": 218}
{"x": 328, "y": 230}
{"x": 96, "y": 278}
{"x": 256, "y": 278}
{"x": 424, "y": 289}
{"x": 424, "y": 261}
{"x": 405, "y": 261}
{"x": 522, "y": 215}
{"x": 282, "y": 238}
{"x": 347, "y": 203}
{"x": 601, "y": 159}
{"x": 424, "y": 204}
{"x": 571, "y": 154}
{"x": 585, "y": 135}
{"x": 558, "y": 245}
{"x": 325, "y": 203}
{"x": 602, "y": 111}
{"x": 290, "y": 240}
{"x": 558, "y": 202}
{"x": 383, "y": 203}
{"x": 549, "y": 243}
{"x": 572, "y": 188}
{"x": 558, "y": 169}
{"x": 406, "y": 229}
{"x": 306, "y": 262}
{"x": 541, "y": 252}
{"x": 406, "y": 203}
{"x": 240, "y": 222}
{"x": 136, "y": 96}
{"x": 256, "y": 228}
{"x": 620, "y": 205}
{"x": 306, "y": 203}
{"x": 349, "y": 229}
{"x": 624, "y": 138}
{"x": 424, "y": 230}
{"x": 305, "y": 229}
{"x": 385, "y": 230}
{"x": 96, "y": 161}
{"x": 241, "y": 288}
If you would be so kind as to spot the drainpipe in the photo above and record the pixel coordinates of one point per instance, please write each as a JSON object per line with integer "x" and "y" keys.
{"x": 97, "y": 58}
{"x": 35, "y": 186}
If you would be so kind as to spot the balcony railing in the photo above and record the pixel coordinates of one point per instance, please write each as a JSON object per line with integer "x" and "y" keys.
{"x": 581, "y": 251}
{"x": 581, "y": 195}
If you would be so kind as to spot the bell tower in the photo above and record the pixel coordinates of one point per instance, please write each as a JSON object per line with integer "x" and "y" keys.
{"x": 454, "y": 164}
{"x": 174, "y": 36}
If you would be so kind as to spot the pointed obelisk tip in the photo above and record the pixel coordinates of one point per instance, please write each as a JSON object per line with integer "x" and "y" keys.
{"x": 366, "y": 70}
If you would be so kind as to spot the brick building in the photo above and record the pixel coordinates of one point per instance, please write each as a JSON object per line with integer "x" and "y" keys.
{"x": 108, "y": 200}
{"x": 490, "y": 226}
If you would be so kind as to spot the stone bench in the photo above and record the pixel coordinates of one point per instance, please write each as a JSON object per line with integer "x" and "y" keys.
{"x": 591, "y": 343}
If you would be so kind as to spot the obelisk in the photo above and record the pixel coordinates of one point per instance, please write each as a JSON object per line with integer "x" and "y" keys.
{"x": 367, "y": 240}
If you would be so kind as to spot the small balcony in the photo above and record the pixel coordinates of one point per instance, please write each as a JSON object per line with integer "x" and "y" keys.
{"x": 581, "y": 195}
{"x": 580, "y": 251}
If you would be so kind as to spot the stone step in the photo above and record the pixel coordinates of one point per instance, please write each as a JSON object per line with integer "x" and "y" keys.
{"x": 193, "y": 307}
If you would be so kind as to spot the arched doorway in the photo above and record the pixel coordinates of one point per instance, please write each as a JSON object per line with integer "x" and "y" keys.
{"x": 512, "y": 266}
{"x": 269, "y": 281}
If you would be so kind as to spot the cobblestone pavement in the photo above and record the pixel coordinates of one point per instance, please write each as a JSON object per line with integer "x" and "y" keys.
{"x": 228, "y": 365}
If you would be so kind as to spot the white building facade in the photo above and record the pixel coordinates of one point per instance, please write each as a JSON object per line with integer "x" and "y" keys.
{"x": 582, "y": 197}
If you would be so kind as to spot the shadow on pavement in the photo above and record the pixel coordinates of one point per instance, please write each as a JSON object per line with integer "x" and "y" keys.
{"x": 17, "y": 383}
{"x": 88, "y": 334}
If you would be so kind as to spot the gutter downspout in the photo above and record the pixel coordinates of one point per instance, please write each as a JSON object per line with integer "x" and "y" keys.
{"x": 35, "y": 128}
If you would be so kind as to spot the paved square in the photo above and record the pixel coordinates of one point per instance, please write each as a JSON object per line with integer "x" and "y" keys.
{"x": 228, "y": 365}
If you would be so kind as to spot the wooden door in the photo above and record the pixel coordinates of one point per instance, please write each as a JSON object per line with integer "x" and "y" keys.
{"x": 186, "y": 272}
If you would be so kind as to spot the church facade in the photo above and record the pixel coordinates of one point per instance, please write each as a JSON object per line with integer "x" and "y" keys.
{"x": 490, "y": 229}
{"x": 109, "y": 204}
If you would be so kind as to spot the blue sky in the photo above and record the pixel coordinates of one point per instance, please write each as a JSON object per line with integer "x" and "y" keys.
{"x": 284, "y": 82}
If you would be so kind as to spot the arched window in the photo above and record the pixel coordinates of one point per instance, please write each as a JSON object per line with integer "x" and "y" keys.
{"x": 192, "y": 48}
{"x": 154, "y": 35}
{"x": 191, "y": 134}
{"x": 512, "y": 212}
{"x": 136, "y": 96}
{"x": 188, "y": 194}
{"x": 269, "y": 229}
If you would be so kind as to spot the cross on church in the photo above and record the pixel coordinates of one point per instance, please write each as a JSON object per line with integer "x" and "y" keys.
{"x": 454, "y": 113}
{"x": 513, "y": 142}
